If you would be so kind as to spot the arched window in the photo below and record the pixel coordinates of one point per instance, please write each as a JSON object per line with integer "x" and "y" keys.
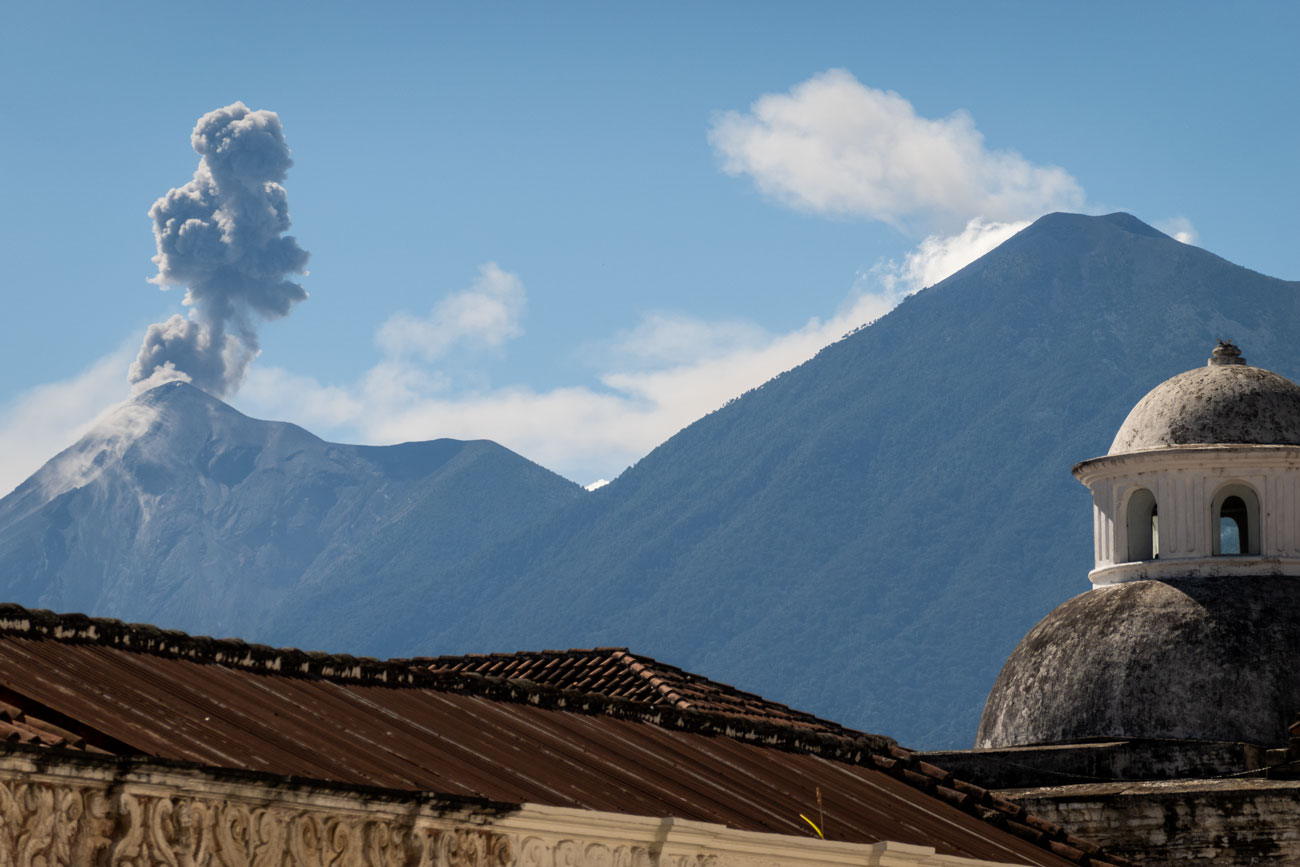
{"x": 1143, "y": 526}
{"x": 1234, "y": 519}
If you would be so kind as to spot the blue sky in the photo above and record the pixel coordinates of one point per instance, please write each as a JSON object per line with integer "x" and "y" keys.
{"x": 574, "y": 228}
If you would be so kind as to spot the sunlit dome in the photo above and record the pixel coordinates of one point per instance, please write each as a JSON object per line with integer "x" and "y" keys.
{"x": 1227, "y": 402}
{"x": 1192, "y": 629}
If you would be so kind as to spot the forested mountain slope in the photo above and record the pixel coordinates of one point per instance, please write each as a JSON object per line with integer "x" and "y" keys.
{"x": 865, "y": 537}
{"x": 869, "y": 535}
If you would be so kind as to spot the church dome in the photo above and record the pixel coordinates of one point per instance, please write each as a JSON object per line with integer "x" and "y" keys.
{"x": 1192, "y": 628}
{"x": 1227, "y": 402}
{"x": 1193, "y": 659}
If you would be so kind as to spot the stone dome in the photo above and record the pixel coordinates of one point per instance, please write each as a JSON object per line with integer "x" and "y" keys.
{"x": 1192, "y": 659}
{"x": 1225, "y": 402}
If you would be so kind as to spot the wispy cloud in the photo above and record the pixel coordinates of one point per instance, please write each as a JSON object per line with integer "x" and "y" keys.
{"x": 485, "y": 315}
{"x": 940, "y": 256}
{"x": 1179, "y": 228}
{"x": 652, "y": 380}
{"x": 47, "y": 418}
{"x": 834, "y": 146}
{"x": 830, "y": 145}
{"x": 668, "y": 338}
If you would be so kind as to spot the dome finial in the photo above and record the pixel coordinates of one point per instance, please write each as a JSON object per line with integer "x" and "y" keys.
{"x": 1226, "y": 353}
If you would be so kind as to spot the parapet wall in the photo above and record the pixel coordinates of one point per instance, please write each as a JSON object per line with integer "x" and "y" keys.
{"x": 1119, "y": 761}
{"x": 68, "y": 809}
{"x": 1189, "y": 823}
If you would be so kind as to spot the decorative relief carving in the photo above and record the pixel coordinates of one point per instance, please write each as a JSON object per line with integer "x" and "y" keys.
{"x": 631, "y": 856}
{"x": 471, "y": 847}
{"x": 52, "y": 824}
{"x": 539, "y": 852}
{"x": 690, "y": 861}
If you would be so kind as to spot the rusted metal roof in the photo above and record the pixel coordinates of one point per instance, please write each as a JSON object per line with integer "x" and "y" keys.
{"x": 616, "y": 672}
{"x": 139, "y": 691}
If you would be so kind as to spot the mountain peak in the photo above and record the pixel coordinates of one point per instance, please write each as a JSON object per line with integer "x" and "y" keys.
{"x": 1133, "y": 225}
{"x": 174, "y": 390}
{"x": 1061, "y": 221}
{"x": 181, "y": 396}
{"x": 180, "y": 406}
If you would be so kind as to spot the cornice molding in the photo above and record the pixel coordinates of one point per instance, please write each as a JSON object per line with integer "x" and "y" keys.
{"x": 63, "y": 814}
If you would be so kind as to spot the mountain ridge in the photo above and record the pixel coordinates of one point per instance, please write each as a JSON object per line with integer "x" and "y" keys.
{"x": 179, "y": 509}
{"x": 824, "y": 538}
{"x": 865, "y": 537}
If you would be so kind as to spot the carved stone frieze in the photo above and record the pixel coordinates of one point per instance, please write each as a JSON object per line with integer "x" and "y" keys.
{"x": 46, "y": 824}
{"x": 52, "y": 825}
{"x": 541, "y": 852}
{"x": 104, "y": 816}
{"x": 689, "y": 861}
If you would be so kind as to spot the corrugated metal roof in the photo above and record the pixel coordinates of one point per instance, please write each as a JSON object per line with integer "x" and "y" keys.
{"x": 141, "y": 691}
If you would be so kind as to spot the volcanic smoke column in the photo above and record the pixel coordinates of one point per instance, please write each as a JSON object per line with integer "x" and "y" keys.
{"x": 221, "y": 236}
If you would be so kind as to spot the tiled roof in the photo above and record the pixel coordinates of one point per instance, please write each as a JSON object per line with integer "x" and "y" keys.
{"x": 137, "y": 691}
{"x": 18, "y": 727}
{"x": 616, "y": 672}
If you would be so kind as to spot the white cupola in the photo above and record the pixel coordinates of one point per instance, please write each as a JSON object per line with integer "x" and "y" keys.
{"x": 1203, "y": 478}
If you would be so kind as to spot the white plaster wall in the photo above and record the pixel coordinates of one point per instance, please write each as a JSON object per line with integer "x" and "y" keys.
{"x": 1185, "y": 481}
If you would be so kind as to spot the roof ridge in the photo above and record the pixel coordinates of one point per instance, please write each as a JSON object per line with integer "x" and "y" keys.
{"x": 653, "y": 666}
{"x": 507, "y": 654}
{"x": 510, "y": 654}
{"x": 649, "y": 675}
{"x": 77, "y": 628}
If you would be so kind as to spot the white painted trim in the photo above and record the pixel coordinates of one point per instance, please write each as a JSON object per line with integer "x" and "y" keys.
{"x": 1185, "y": 481}
{"x": 1217, "y": 567}
{"x": 682, "y": 837}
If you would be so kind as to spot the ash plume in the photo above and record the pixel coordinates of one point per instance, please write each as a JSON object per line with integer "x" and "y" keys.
{"x": 221, "y": 236}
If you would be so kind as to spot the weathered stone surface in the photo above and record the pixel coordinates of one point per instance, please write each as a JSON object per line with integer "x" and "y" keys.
{"x": 1109, "y": 761}
{"x": 1196, "y": 659}
{"x": 1189, "y": 823}
{"x": 1215, "y": 404}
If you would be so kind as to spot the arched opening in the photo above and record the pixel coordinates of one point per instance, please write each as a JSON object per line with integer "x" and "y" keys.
{"x": 1143, "y": 526}
{"x": 1235, "y": 517}
{"x": 1233, "y": 524}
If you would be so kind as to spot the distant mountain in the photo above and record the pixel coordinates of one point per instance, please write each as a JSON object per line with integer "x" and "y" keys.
{"x": 865, "y": 537}
{"x": 869, "y": 535}
{"x": 179, "y": 510}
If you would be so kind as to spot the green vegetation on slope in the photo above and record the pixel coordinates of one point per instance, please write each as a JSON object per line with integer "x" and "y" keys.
{"x": 869, "y": 535}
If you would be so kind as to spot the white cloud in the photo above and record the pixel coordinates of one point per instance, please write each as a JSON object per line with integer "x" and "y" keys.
{"x": 656, "y": 378}
{"x": 47, "y": 418}
{"x": 284, "y": 396}
{"x": 1179, "y": 228}
{"x": 115, "y": 429}
{"x": 652, "y": 379}
{"x": 938, "y": 256}
{"x": 835, "y": 146}
{"x": 831, "y": 145}
{"x": 485, "y": 315}
{"x": 670, "y": 338}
